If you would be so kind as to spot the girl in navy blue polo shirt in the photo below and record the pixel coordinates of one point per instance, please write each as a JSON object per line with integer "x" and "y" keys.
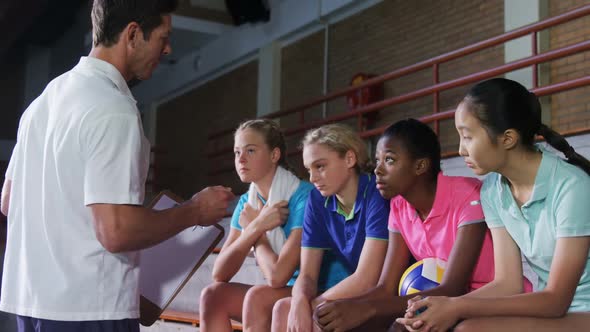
{"x": 345, "y": 220}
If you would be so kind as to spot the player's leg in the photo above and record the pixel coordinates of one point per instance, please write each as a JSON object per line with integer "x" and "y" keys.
{"x": 258, "y": 306}
{"x": 280, "y": 315}
{"x": 571, "y": 322}
{"x": 220, "y": 302}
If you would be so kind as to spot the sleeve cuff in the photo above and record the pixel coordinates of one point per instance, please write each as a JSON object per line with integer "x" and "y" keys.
{"x": 573, "y": 232}
{"x": 494, "y": 223}
{"x": 104, "y": 198}
{"x": 318, "y": 248}
{"x": 376, "y": 238}
{"x": 471, "y": 222}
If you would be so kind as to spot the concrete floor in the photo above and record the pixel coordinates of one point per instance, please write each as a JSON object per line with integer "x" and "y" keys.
{"x": 160, "y": 326}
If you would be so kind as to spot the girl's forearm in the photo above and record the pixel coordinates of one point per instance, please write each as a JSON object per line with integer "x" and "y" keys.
{"x": 230, "y": 259}
{"x": 542, "y": 304}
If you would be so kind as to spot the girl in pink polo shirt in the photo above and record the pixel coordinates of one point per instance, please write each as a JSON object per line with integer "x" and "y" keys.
{"x": 432, "y": 215}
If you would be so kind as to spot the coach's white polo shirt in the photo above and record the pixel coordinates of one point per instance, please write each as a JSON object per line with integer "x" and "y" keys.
{"x": 80, "y": 142}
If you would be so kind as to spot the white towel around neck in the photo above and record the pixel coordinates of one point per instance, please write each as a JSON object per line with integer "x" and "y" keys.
{"x": 284, "y": 184}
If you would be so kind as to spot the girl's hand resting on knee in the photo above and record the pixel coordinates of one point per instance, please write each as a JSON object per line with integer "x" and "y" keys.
{"x": 439, "y": 314}
{"x": 341, "y": 315}
{"x": 300, "y": 316}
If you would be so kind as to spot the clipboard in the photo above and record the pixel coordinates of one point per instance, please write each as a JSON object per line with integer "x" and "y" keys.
{"x": 166, "y": 267}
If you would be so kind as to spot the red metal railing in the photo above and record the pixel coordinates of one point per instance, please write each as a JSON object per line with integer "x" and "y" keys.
{"x": 437, "y": 87}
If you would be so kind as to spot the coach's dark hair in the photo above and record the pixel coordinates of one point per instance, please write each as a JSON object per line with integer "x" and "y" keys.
{"x": 419, "y": 140}
{"x": 502, "y": 104}
{"x": 110, "y": 17}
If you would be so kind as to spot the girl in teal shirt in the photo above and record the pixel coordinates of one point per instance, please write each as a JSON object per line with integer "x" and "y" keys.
{"x": 260, "y": 154}
{"x": 536, "y": 204}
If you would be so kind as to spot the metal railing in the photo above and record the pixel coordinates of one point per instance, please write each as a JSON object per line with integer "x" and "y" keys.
{"x": 437, "y": 87}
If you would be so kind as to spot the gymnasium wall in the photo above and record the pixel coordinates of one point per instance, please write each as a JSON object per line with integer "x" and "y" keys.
{"x": 184, "y": 123}
{"x": 394, "y": 34}
{"x": 570, "y": 110}
{"x": 382, "y": 38}
{"x": 399, "y": 33}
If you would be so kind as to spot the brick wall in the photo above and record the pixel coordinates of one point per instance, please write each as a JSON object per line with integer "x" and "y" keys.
{"x": 400, "y": 33}
{"x": 184, "y": 124}
{"x": 302, "y": 79}
{"x": 302, "y": 73}
{"x": 397, "y": 33}
{"x": 570, "y": 110}
{"x": 391, "y": 35}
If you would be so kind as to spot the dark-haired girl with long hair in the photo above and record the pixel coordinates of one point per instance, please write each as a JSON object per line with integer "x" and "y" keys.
{"x": 432, "y": 215}
{"x": 536, "y": 204}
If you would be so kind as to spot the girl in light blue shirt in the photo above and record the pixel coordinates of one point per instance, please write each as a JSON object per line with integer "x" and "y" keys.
{"x": 259, "y": 149}
{"x": 536, "y": 204}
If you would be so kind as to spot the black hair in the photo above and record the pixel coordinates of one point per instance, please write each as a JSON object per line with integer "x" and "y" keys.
{"x": 110, "y": 17}
{"x": 419, "y": 140}
{"x": 501, "y": 104}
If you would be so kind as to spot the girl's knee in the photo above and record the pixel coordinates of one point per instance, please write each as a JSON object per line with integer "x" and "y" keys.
{"x": 211, "y": 293}
{"x": 281, "y": 307}
{"x": 466, "y": 326}
{"x": 255, "y": 294}
{"x": 254, "y": 299}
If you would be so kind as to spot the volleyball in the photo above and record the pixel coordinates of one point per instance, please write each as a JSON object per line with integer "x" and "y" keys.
{"x": 422, "y": 275}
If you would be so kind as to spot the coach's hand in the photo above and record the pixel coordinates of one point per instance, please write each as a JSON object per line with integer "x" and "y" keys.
{"x": 211, "y": 205}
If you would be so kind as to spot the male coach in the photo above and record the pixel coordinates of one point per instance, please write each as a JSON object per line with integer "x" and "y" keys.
{"x": 75, "y": 184}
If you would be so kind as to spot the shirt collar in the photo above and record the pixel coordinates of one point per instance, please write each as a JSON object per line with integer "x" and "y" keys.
{"x": 541, "y": 186}
{"x": 365, "y": 181}
{"x": 107, "y": 70}
{"x": 261, "y": 198}
{"x": 544, "y": 174}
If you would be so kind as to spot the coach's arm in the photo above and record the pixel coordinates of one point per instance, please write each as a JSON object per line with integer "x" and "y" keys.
{"x": 5, "y": 197}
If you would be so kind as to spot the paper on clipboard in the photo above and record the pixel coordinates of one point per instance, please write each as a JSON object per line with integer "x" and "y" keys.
{"x": 165, "y": 202}
{"x": 166, "y": 267}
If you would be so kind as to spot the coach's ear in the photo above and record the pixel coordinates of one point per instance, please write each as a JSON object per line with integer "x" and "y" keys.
{"x": 130, "y": 35}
